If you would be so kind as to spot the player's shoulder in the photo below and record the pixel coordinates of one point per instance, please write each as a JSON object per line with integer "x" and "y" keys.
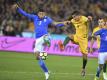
{"x": 48, "y": 18}
{"x": 101, "y": 30}
{"x": 97, "y": 28}
{"x": 35, "y": 16}
{"x": 84, "y": 18}
{"x": 104, "y": 30}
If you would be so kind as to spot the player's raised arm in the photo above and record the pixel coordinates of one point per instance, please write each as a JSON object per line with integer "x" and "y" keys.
{"x": 21, "y": 11}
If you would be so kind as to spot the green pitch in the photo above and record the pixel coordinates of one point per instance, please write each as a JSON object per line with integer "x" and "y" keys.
{"x": 18, "y": 66}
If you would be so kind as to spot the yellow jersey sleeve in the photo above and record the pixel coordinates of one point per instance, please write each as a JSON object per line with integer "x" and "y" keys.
{"x": 84, "y": 19}
{"x": 95, "y": 30}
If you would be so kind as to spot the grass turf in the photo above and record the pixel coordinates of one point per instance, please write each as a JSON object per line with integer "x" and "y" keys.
{"x": 18, "y": 66}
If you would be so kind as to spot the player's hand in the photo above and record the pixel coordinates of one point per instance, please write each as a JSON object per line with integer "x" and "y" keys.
{"x": 66, "y": 22}
{"x": 90, "y": 18}
{"x": 15, "y": 6}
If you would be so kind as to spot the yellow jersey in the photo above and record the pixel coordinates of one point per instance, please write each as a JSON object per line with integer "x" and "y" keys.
{"x": 98, "y": 37}
{"x": 81, "y": 26}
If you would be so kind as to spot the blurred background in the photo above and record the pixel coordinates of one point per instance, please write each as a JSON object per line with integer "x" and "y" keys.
{"x": 12, "y": 23}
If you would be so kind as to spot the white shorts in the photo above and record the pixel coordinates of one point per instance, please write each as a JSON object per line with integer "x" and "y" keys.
{"x": 102, "y": 57}
{"x": 39, "y": 47}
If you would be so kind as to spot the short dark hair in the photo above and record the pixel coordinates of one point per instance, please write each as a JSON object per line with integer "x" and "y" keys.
{"x": 101, "y": 17}
{"x": 76, "y": 13}
{"x": 69, "y": 18}
{"x": 40, "y": 9}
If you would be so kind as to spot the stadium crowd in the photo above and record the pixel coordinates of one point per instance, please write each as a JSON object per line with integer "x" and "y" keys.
{"x": 59, "y": 10}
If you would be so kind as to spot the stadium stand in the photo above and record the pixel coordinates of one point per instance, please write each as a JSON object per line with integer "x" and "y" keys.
{"x": 59, "y": 10}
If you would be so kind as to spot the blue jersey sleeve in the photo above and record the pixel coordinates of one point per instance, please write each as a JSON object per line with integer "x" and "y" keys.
{"x": 31, "y": 16}
{"x": 50, "y": 21}
{"x": 60, "y": 25}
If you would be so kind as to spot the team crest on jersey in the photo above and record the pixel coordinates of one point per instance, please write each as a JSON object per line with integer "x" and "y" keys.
{"x": 44, "y": 20}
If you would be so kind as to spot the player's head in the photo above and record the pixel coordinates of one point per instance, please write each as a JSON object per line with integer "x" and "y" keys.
{"x": 76, "y": 15}
{"x": 41, "y": 13}
{"x": 101, "y": 23}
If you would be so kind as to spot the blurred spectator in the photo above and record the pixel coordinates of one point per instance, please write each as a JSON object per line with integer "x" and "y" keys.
{"x": 9, "y": 30}
{"x": 18, "y": 28}
{"x": 58, "y": 9}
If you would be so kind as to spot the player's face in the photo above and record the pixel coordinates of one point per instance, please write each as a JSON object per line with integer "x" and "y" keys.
{"x": 101, "y": 23}
{"x": 41, "y": 15}
{"x": 76, "y": 17}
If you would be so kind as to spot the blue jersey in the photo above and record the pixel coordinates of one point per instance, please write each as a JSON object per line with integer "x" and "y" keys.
{"x": 103, "y": 41}
{"x": 41, "y": 25}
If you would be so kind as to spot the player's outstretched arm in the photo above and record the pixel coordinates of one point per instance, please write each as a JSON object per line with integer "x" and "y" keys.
{"x": 60, "y": 24}
{"x": 21, "y": 11}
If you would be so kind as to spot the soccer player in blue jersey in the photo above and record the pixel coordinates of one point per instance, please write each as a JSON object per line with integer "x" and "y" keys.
{"x": 102, "y": 57}
{"x": 41, "y": 22}
{"x": 101, "y": 24}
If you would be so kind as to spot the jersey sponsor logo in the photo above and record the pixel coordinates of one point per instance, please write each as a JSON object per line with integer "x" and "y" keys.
{"x": 44, "y": 20}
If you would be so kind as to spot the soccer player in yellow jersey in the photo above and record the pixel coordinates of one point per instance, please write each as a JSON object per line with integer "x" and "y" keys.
{"x": 101, "y": 24}
{"x": 80, "y": 23}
